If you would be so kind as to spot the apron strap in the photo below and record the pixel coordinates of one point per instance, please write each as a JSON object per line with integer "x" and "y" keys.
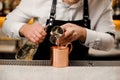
{"x": 86, "y": 19}
{"x": 86, "y": 10}
{"x": 85, "y": 14}
{"x": 52, "y": 13}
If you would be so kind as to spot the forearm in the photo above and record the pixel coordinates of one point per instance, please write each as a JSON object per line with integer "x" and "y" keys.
{"x": 14, "y": 22}
{"x": 11, "y": 29}
{"x": 99, "y": 40}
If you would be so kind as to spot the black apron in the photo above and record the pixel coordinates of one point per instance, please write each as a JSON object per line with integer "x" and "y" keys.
{"x": 79, "y": 51}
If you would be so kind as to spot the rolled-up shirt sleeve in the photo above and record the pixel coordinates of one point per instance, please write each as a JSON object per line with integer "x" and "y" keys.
{"x": 11, "y": 28}
{"x": 99, "y": 37}
{"x": 99, "y": 40}
{"x": 16, "y": 19}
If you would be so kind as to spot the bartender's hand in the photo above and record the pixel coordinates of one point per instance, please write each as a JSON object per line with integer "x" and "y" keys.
{"x": 34, "y": 32}
{"x": 72, "y": 32}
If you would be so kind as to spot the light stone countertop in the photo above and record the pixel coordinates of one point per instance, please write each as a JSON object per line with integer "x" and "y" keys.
{"x": 37, "y": 72}
{"x": 52, "y": 73}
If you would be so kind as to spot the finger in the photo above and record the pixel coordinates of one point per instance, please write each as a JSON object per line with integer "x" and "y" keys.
{"x": 67, "y": 34}
{"x": 41, "y": 40}
{"x": 66, "y": 37}
{"x": 66, "y": 26}
{"x": 37, "y": 34}
{"x": 69, "y": 38}
{"x": 73, "y": 37}
{"x": 32, "y": 39}
{"x": 41, "y": 31}
{"x": 66, "y": 40}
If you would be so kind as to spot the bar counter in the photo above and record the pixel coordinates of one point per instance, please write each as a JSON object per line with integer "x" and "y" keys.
{"x": 42, "y": 70}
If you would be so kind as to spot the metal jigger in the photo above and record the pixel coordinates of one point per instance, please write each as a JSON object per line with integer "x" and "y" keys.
{"x": 56, "y": 33}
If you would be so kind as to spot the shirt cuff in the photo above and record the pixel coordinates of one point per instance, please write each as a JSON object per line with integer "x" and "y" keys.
{"x": 15, "y": 30}
{"x": 91, "y": 37}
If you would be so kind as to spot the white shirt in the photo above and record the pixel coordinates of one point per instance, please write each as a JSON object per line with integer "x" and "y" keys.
{"x": 100, "y": 12}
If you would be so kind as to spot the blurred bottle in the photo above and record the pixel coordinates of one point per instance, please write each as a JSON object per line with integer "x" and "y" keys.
{"x": 116, "y": 19}
{"x": 27, "y": 51}
{"x": 116, "y": 14}
{"x": 7, "y": 7}
{"x": 116, "y": 9}
{"x": 1, "y": 8}
{"x": 14, "y": 4}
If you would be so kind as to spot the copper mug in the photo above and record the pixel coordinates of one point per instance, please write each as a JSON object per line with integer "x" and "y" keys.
{"x": 60, "y": 55}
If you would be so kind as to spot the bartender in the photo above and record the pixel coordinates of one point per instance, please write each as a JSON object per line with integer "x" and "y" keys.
{"x": 86, "y": 24}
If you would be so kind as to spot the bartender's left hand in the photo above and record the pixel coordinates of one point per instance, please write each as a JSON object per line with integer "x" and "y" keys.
{"x": 72, "y": 32}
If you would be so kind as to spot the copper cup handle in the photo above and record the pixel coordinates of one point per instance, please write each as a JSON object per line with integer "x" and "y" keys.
{"x": 70, "y": 46}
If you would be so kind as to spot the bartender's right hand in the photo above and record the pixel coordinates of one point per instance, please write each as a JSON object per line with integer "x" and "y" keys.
{"x": 34, "y": 32}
